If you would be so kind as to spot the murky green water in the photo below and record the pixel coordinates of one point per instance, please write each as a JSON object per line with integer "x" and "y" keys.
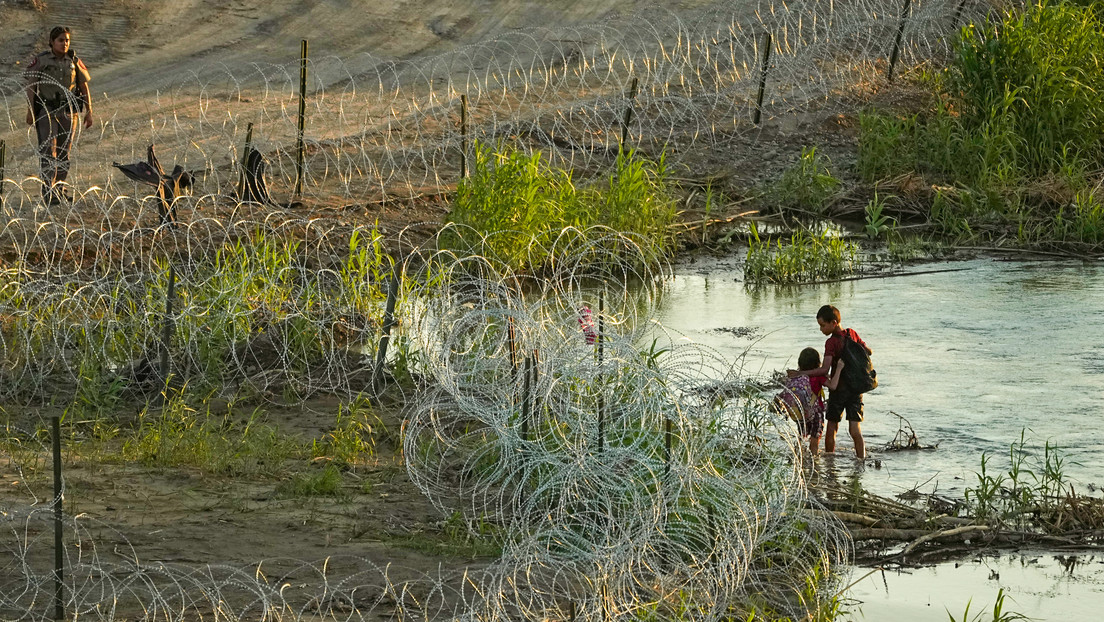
{"x": 971, "y": 358}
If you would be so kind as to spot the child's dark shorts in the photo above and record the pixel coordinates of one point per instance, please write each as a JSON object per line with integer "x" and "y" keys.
{"x": 839, "y": 401}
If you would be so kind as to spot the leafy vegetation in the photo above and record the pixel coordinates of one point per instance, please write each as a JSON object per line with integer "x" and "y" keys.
{"x": 1031, "y": 493}
{"x": 178, "y": 436}
{"x": 808, "y": 185}
{"x": 999, "y": 614}
{"x": 804, "y": 257}
{"x": 513, "y": 207}
{"x": 1015, "y": 133}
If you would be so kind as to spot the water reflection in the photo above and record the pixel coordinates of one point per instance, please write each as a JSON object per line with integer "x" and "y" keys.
{"x": 1040, "y": 585}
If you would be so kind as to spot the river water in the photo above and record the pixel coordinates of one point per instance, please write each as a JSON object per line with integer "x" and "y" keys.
{"x": 972, "y": 356}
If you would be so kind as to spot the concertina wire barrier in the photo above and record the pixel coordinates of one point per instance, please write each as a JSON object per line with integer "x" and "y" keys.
{"x": 626, "y": 485}
{"x": 598, "y": 529}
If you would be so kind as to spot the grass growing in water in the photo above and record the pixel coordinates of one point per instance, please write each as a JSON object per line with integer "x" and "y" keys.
{"x": 805, "y": 257}
{"x": 1032, "y": 494}
{"x": 522, "y": 206}
{"x": 999, "y": 614}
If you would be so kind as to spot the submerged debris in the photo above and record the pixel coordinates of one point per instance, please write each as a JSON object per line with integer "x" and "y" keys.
{"x": 906, "y": 439}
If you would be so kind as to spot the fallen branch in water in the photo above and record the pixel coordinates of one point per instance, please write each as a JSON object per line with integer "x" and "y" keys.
{"x": 697, "y": 224}
{"x": 884, "y": 275}
{"x": 946, "y": 533}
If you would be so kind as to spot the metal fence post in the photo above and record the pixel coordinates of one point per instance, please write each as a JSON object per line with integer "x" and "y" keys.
{"x": 302, "y": 119}
{"x": 767, "y": 39}
{"x": 463, "y": 137}
{"x": 59, "y": 557}
{"x": 897, "y": 42}
{"x": 627, "y": 117}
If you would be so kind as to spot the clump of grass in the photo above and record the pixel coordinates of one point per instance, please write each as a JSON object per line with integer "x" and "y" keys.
{"x": 352, "y": 441}
{"x": 517, "y": 206}
{"x": 1036, "y": 78}
{"x": 1031, "y": 494}
{"x": 802, "y": 258}
{"x": 178, "y": 436}
{"x": 999, "y": 614}
{"x": 458, "y": 538}
{"x": 324, "y": 482}
{"x": 808, "y": 185}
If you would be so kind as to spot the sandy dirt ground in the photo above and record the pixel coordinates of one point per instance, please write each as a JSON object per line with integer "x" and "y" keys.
{"x": 139, "y": 47}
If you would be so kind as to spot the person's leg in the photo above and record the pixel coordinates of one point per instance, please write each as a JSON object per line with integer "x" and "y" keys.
{"x": 44, "y": 128}
{"x": 830, "y": 436}
{"x": 65, "y": 136}
{"x": 833, "y": 414}
{"x": 855, "y": 428}
{"x": 814, "y": 444}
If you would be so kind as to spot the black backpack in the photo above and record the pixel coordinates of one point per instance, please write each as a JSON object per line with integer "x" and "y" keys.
{"x": 858, "y": 372}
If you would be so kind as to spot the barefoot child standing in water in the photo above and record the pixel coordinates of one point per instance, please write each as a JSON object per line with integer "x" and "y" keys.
{"x": 802, "y": 398}
{"x": 842, "y": 397}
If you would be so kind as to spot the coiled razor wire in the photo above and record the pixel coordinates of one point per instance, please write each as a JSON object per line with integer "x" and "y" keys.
{"x": 515, "y": 418}
{"x": 380, "y": 130}
{"x": 625, "y": 481}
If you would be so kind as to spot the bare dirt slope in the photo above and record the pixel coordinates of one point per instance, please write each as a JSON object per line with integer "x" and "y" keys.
{"x": 136, "y": 46}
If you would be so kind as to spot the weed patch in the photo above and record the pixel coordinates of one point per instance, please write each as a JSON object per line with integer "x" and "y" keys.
{"x": 178, "y": 436}
{"x": 802, "y": 258}
{"x": 514, "y": 208}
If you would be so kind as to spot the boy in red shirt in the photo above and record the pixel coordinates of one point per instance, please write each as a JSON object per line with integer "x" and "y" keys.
{"x": 840, "y": 398}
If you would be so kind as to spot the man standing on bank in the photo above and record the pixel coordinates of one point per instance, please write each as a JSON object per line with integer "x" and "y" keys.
{"x": 57, "y": 89}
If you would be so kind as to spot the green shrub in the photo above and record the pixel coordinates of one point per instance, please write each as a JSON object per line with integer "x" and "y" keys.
{"x": 1033, "y": 85}
{"x": 807, "y": 185}
{"x": 513, "y": 206}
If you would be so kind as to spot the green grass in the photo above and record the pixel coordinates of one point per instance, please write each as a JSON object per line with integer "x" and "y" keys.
{"x": 807, "y": 186}
{"x": 1032, "y": 493}
{"x": 998, "y": 613}
{"x": 356, "y": 432}
{"x": 1014, "y": 135}
{"x": 514, "y": 208}
{"x": 801, "y": 258}
{"x": 324, "y": 482}
{"x": 178, "y": 436}
{"x": 248, "y": 305}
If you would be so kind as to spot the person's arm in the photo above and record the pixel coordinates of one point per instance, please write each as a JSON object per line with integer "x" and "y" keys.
{"x": 819, "y": 371}
{"x": 30, "y": 104}
{"x": 833, "y": 382}
{"x": 82, "y": 88}
{"x": 32, "y": 91}
{"x": 87, "y": 104}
